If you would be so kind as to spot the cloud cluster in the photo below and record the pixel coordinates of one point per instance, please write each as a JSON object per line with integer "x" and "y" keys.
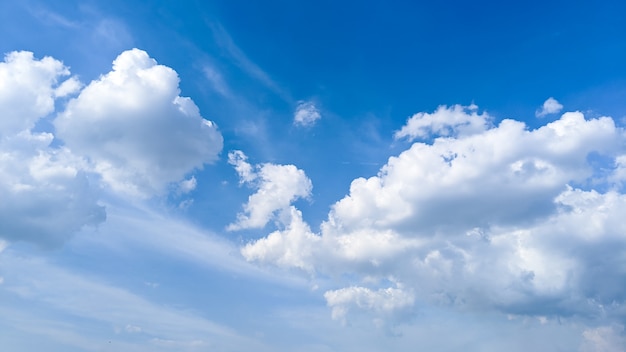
{"x": 501, "y": 217}
{"x": 129, "y": 130}
{"x": 277, "y": 187}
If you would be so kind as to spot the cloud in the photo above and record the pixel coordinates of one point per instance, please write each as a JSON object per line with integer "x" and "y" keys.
{"x": 129, "y": 130}
{"x": 187, "y": 185}
{"x": 604, "y": 339}
{"x": 226, "y": 43}
{"x": 134, "y": 128}
{"x": 550, "y": 106}
{"x": 53, "y": 290}
{"x": 28, "y": 88}
{"x": 498, "y": 217}
{"x": 306, "y": 114}
{"x": 277, "y": 187}
{"x": 290, "y": 247}
{"x": 46, "y": 194}
{"x": 383, "y": 302}
{"x": 453, "y": 121}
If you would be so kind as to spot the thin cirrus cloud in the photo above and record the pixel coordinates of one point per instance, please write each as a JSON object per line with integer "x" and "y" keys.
{"x": 129, "y": 130}
{"x": 111, "y": 308}
{"x": 499, "y": 218}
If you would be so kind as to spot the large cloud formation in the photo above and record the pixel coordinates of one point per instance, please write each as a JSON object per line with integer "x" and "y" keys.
{"x": 129, "y": 129}
{"x": 135, "y": 129}
{"x": 523, "y": 221}
{"x": 44, "y": 194}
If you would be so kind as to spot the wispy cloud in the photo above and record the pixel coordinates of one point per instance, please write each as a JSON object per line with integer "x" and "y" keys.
{"x": 55, "y": 289}
{"x": 226, "y": 43}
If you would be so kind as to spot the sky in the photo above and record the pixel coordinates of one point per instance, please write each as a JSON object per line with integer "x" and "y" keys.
{"x": 312, "y": 176}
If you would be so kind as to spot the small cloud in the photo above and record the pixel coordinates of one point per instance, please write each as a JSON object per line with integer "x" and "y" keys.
{"x": 277, "y": 187}
{"x": 216, "y": 79}
{"x": 132, "y": 329}
{"x": 185, "y": 204}
{"x": 187, "y": 186}
{"x": 550, "y": 106}
{"x": 306, "y": 114}
{"x": 151, "y": 284}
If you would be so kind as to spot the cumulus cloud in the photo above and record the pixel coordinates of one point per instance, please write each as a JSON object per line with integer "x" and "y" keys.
{"x": 383, "y": 302}
{"x": 456, "y": 120}
{"x": 46, "y": 194}
{"x": 277, "y": 187}
{"x": 550, "y": 106}
{"x": 135, "y": 129}
{"x": 129, "y": 130}
{"x": 28, "y": 88}
{"x": 501, "y": 217}
{"x": 306, "y": 114}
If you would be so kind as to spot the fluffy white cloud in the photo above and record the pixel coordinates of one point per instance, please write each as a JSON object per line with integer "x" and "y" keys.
{"x": 306, "y": 114}
{"x": 277, "y": 187}
{"x": 456, "y": 120}
{"x": 383, "y": 302}
{"x": 46, "y": 195}
{"x": 499, "y": 217}
{"x": 550, "y": 106}
{"x": 129, "y": 129}
{"x": 291, "y": 247}
{"x": 134, "y": 128}
{"x": 28, "y": 87}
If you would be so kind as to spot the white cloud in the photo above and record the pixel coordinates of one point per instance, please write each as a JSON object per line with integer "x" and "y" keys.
{"x": 239, "y": 161}
{"x": 46, "y": 195}
{"x": 129, "y": 130}
{"x": 133, "y": 329}
{"x": 604, "y": 339}
{"x": 550, "y": 106}
{"x": 453, "y": 121}
{"x": 28, "y": 87}
{"x": 134, "y": 128}
{"x": 291, "y": 247}
{"x": 385, "y": 303}
{"x": 306, "y": 114}
{"x": 188, "y": 185}
{"x": 494, "y": 218}
{"x": 277, "y": 187}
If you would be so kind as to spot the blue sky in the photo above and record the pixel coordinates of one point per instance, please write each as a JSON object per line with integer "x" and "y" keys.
{"x": 312, "y": 176}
